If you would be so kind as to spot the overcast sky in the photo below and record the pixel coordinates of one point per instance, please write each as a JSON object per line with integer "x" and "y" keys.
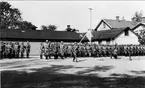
{"x": 75, "y": 13}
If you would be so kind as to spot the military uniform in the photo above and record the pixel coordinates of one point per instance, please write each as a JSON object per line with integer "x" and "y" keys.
{"x": 61, "y": 50}
{"x": 28, "y": 47}
{"x": 46, "y": 49}
{"x": 74, "y": 52}
{"x": 42, "y": 50}
{"x": 2, "y": 50}
{"x": 16, "y": 48}
{"x": 22, "y": 49}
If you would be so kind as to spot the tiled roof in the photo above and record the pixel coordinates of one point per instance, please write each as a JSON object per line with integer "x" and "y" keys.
{"x": 119, "y": 24}
{"x": 107, "y": 34}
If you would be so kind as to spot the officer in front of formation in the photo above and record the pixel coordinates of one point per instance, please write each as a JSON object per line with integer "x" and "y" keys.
{"x": 74, "y": 52}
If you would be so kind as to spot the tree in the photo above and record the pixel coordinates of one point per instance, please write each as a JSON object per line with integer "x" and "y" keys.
{"x": 43, "y": 27}
{"x": 137, "y": 17}
{"x": 49, "y": 27}
{"x": 142, "y": 37}
{"x": 25, "y": 25}
{"x": 8, "y": 15}
{"x": 52, "y": 27}
{"x": 11, "y": 18}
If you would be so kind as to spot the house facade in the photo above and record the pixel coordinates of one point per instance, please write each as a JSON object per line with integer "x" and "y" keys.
{"x": 121, "y": 29}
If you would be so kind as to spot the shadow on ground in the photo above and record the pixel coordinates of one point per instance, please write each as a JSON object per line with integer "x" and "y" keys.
{"x": 48, "y": 77}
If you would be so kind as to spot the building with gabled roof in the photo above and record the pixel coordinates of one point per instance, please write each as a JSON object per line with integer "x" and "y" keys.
{"x": 114, "y": 36}
{"x": 106, "y": 24}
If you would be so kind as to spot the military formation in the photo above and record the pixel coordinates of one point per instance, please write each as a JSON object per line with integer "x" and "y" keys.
{"x": 75, "y": 50}
{"x": 14, "y": 50}
{"x": 60, "y": 50}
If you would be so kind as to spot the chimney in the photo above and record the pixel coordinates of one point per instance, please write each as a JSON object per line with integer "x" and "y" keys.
{"x": 117, "y": 18}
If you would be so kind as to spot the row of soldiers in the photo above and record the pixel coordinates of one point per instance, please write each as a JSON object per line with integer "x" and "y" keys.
{"x": 89, "y": 50}
{"x": 58, "y": 50}
{"x": 14, "y": 49}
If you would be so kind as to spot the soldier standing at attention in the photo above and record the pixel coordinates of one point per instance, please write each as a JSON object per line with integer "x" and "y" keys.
{"x": 22, "y": 49}
{"x": 42, "y": 50}
{"x": 62, "y": 49}
{"x": 2, "y": 50}
{"x": 28, "y": 47}
{"x": 16, "y": 50}
{"x": 129, "y": 52}
{"x": 9, "y": 50}
{"x": 115, "y": 52}
{"x": 46, "y": 49}
{"x": 1, "y": 55}
{"x": 56, "y": 50}
{"x": 74, "y": 52}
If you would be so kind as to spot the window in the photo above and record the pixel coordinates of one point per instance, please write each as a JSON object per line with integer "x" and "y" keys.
{"x": 126, "y": 33}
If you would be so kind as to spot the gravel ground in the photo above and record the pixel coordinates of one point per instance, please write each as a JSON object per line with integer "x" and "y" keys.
{"x": 63, "y": 73}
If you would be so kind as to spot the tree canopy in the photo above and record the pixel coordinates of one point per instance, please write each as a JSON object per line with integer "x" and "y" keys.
{"x": 11, "y": 18}
{"x": 137, "y": 16}
{"x": 49, "y": 27}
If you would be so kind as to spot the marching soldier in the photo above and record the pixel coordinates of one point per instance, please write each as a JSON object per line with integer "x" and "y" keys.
{"x": 22, "y": 49}
{"x": 74, "y": 52}
{"x": 28, "y": 47}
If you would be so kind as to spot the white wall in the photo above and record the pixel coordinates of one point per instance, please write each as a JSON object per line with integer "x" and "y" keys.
{"x": 101, "y": 27}
{"x": 131, "y": 39}
{"x": 138, "y": 29}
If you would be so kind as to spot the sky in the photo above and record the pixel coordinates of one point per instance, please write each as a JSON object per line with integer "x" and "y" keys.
{"x": 75, "y": 13}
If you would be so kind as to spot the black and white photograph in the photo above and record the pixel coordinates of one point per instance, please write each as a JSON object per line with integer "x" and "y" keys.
{"x": 72, "y": 44}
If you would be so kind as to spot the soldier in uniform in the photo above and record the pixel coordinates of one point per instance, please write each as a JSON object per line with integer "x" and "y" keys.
{"x": 69, "y": 50}
{"x": 129, "y": 52}
{"x": 56, "y": 50}
{"x": 12, "y": 50}
{"x": 61, "y": 49}
{"x": 115, "y": 53}
{"x": 28, "y": 47}
{"x": 22, "y": 49}
{"x": 8, "y": 51}
{"x": 74, "y": 52}
{"x": 2, "y": 50}
{"x": 42, "y": 50}
{"x": 16, "y": 48}
{"x": 1, "y": 44}
{"x": 46, "y": 49}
